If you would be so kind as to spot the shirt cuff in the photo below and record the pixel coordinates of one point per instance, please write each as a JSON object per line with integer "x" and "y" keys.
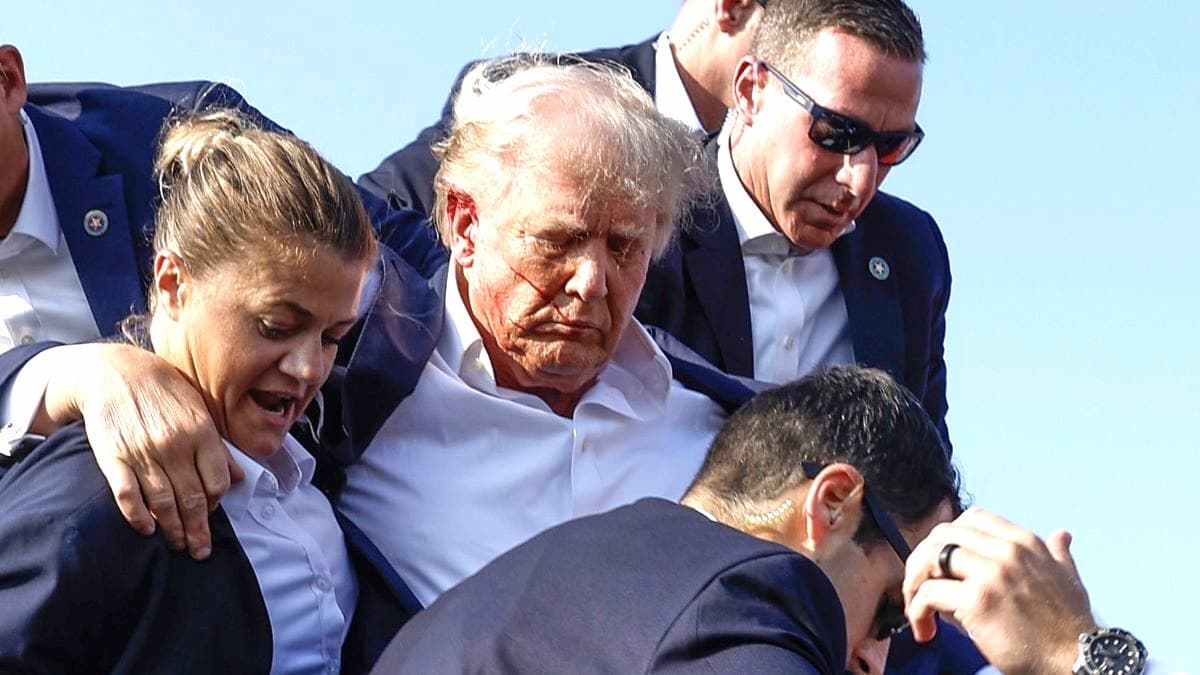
{"x": 21, "y": 400}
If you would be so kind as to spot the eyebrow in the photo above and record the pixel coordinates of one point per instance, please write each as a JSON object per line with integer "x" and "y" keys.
{"x": 303, "y": 313}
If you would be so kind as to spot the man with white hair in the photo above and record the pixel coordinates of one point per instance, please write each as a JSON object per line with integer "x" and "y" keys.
{"x": 513, "y": 390}
{"x": 688, "y": 69}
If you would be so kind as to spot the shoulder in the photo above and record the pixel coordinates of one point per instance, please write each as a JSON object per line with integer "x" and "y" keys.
{"x": 798, "y": 624}
{"x": 902, "y": 222}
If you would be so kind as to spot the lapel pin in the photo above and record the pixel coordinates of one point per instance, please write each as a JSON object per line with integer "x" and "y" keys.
{"x": 879, "y": 268}
{"x": 95, "y": 222}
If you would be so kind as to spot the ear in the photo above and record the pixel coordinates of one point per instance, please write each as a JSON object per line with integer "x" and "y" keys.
{"x": 171, "y": 285}
{"x": 13, "y": 90}
{"x": 832, "y": 507}
{"x": 462, "y": 213}
{"x": 734, "y": 15}
{"x": 749, "y": 80}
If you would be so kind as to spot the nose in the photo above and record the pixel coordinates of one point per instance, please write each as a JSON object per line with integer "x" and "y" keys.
{"x": 589, "y": 271}
{"x": 306, "y": 361}
{"x": 859, "y": 174}
{"x": 869, "y": 656}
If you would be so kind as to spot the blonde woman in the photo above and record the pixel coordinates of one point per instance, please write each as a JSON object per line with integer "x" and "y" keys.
{"x": 261, "y": 248}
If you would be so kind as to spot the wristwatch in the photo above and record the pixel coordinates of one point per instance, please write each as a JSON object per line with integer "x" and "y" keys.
{"x": 1110, "y": 651}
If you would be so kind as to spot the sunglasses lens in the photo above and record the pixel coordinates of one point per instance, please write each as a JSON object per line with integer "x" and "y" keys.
{"x": 837, "y": 133}
{"x": 895, "y": 149}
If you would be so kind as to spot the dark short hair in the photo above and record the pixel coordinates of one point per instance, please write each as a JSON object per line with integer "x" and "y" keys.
{"x": 887, "y": 25}
{"x": 859, "y": 416}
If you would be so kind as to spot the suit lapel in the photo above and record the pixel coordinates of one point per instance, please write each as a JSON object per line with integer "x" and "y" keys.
{"x": 712, "y": 261}
{"x": 104, "y": 254}
{"x": 873, "y": 304}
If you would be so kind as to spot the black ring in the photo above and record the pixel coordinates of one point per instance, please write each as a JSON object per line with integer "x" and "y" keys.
{"x": 944, "y": 560}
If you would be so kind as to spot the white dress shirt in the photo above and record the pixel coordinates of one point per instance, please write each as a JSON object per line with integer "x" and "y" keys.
{"x": 464, "y": 469}
{"x": 798, "y": 318}
{"x": 293, "y": 542}
{"x": 41, "y": 297}
{"x": 670, "y": 97}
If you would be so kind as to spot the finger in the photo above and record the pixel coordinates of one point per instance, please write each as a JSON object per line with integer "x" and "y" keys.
{"x": 160, "y": 499}
{"x": 935, "y": 595}
{"x": 1059, "y": 544}
{"x": 192, "y": 504}
{"x": 976, "y": 554}
{"x": 125, "y": 488}
{"x": 986, "y": 522}
{"x": 216, "y": 468}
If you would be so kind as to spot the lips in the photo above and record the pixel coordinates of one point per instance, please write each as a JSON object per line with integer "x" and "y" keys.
{"x": 274, "y": 403}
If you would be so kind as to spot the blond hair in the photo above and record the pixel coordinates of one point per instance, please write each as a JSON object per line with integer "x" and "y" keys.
{"x": 229, "y": 186}
{"x": 521, "y": 119}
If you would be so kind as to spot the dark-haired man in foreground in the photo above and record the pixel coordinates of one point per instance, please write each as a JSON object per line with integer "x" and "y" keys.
{"x": 786, "y": 553}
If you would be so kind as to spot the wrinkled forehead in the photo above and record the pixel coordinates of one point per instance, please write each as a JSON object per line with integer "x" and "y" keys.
{"x": 546, "y": 201}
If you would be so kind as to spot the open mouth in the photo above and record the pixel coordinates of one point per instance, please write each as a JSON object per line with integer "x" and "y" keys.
{"x": 275, "y": 404}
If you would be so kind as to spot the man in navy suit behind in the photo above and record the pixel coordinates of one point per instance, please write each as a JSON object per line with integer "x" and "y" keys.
{"x": 802, "y": 263}
{"x": 782, "y": 557}
{"x": 688, "y": 70}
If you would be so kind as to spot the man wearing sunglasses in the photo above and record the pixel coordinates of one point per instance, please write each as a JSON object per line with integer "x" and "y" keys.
{"x": 802, "y": 262}
{"x": 786, "y": 554}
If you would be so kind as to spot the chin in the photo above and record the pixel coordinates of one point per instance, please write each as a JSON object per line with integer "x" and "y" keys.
{"x": 257, "y": 445}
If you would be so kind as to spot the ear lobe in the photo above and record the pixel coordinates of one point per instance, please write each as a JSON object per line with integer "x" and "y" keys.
{"x": 833, "y": 499}
{"x": 461, "y": 212}
{"x": 733, "y": 15}
{"x": 171, "y": 286}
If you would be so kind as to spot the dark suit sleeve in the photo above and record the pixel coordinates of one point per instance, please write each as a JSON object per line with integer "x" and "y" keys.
{"x": 56, "y": 612}
{"x": 405, "y": 177}
{"x": 771, "y": 614}
{"x": 934, "y": 400}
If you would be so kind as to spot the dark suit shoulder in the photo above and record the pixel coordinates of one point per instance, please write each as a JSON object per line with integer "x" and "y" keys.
{"x": 798, "y": 623}
{"x": 83, "y": 592}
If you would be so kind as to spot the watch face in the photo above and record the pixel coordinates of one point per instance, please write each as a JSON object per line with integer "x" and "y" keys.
{"x": 1114, "y": 654}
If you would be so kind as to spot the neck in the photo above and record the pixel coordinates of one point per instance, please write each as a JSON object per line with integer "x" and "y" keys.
{"x": 709, "y": 107}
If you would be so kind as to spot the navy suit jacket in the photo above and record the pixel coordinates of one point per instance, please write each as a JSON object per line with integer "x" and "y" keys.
{"x": 698, "y": 293}
{"x": 651, "y": 587}
{"x": 98, "y": 143}
{"x": 82, "y": 592}
{"x": 405, "y": 178}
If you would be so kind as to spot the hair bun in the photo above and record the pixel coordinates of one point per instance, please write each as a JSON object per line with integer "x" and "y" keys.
{"x": 188, "y": 140}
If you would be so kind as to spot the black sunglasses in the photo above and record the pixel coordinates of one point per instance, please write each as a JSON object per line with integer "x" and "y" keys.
{"x": 889, "y": 618}
{"x": 840, "y": 133}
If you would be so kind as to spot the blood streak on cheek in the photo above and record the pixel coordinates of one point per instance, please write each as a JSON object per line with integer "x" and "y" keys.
{"x": 546, "y": 296}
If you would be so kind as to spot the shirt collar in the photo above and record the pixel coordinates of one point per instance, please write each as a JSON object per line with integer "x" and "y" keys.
{"x": 670, "y": 96}
{"x": 37, "y": 218}
{"x": 756, "y": 234}
{"x": 277, "y": 476}
{"x": 636, "y": 381}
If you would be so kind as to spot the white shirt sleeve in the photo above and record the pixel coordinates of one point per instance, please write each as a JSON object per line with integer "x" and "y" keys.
{"x": 20, "y": 400}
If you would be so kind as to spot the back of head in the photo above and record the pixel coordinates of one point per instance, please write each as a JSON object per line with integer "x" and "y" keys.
{"x": 787, "y": 26}
{"x": 522, "y": 120}
{"x": 231, "y": 189}
{"x": 859, "y": 416}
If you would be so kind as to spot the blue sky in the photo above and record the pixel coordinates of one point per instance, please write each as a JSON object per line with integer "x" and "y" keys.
{"x": 1060, "y": 162}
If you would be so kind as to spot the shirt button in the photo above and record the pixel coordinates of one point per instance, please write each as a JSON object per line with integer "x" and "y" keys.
{"x": 789, "y": 342}
{"x": 585, "y": 446}
{"x": 27, "y": 340}
{"x": 323, "y": 584}
{"x": 268, "y": 512}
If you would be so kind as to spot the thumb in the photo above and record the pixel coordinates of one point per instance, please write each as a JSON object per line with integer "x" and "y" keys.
{"x": 1059, "y": 544}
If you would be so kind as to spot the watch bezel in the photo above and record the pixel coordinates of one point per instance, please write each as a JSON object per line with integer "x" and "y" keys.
{"x": 1084, "y": 662}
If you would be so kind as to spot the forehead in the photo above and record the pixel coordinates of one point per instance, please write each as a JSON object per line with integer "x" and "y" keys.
{"x": 547, "y": 202}
{"x": 845, "y": 73}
